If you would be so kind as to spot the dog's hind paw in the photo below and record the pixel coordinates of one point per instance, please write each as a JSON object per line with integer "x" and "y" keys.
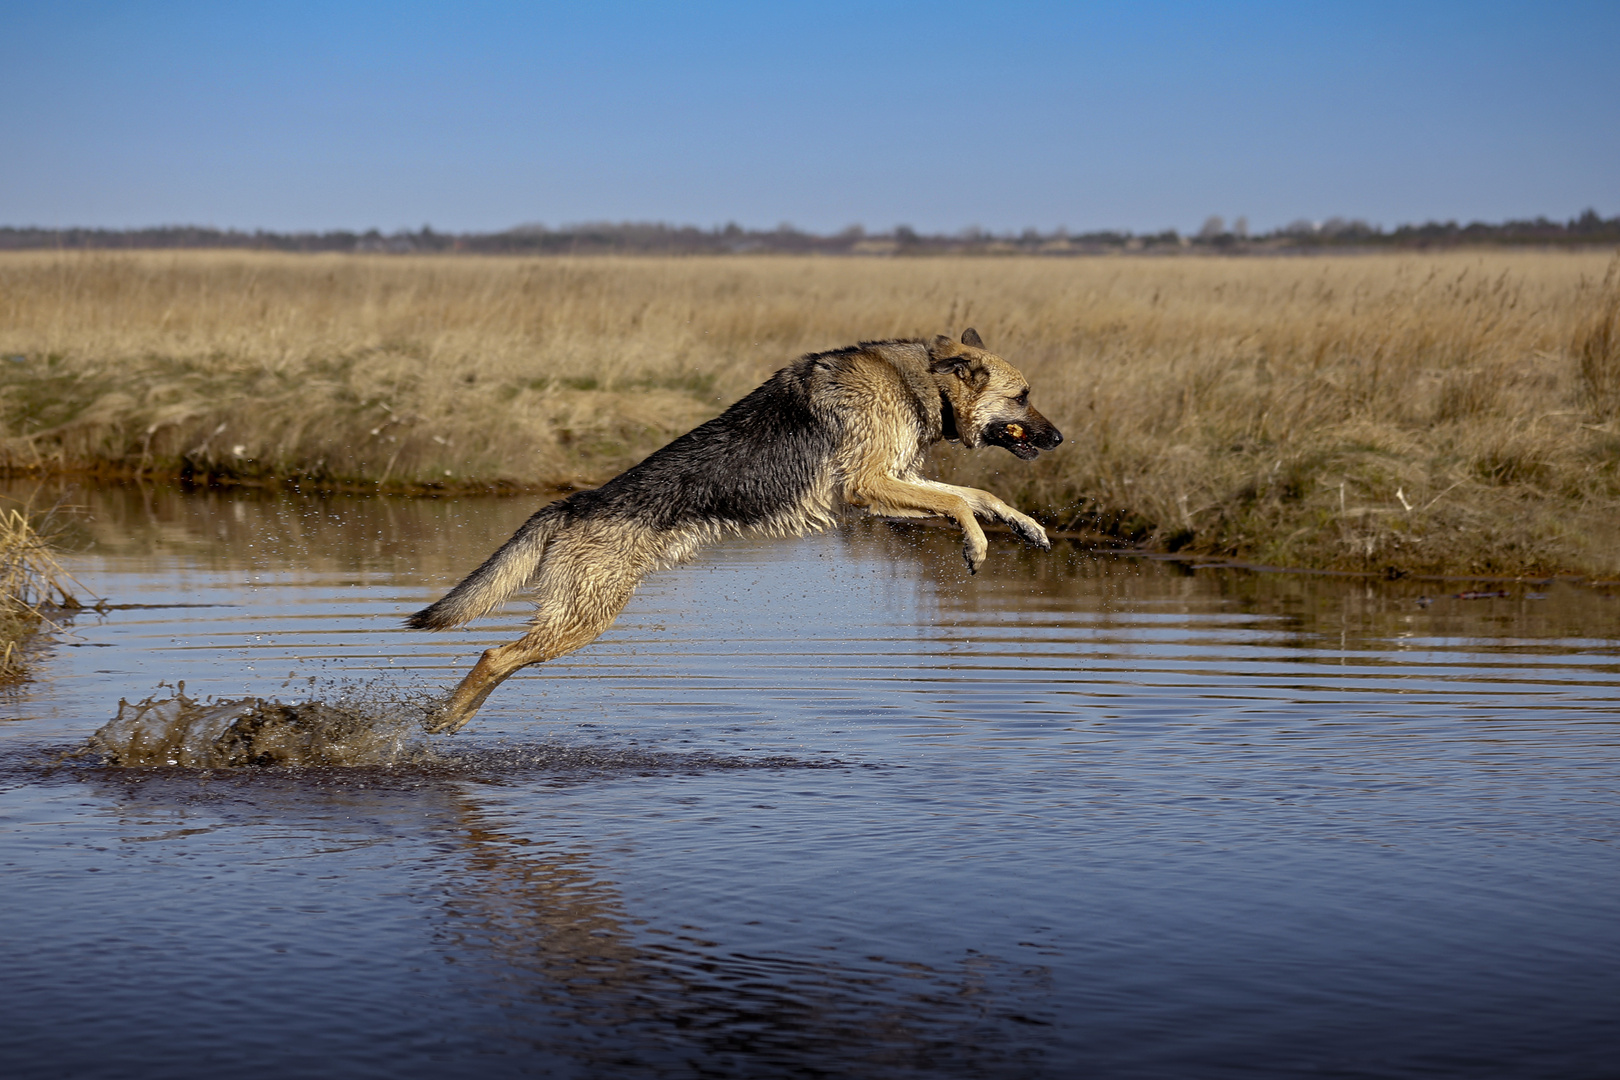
{"x": 442, "y": 721}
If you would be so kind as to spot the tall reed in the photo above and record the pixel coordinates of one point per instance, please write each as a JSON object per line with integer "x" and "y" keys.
{"x": 31, "y": 582}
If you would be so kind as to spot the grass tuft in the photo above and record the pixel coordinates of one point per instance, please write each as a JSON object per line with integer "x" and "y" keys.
{"x": 32, "y": 583}
{"x": 1597, "y": 349}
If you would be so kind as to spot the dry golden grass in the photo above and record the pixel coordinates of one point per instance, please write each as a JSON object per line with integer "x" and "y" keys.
{"x": 31, "y": 580}
{"x": 1454, "y": 412}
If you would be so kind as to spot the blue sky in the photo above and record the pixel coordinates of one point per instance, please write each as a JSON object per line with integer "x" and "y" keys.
{"x": 479, "y": 116}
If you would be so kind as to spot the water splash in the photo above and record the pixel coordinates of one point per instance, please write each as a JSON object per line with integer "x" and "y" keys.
{"x": 183, "y": 731}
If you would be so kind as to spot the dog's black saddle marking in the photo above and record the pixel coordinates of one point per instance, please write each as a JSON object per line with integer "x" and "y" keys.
{"x": 752, "y": 463}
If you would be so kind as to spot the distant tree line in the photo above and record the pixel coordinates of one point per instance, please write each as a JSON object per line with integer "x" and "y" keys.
{"x": 659, "y": 239}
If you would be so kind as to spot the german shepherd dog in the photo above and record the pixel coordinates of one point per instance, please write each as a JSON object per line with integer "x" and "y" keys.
{"x": 830, "y": 432}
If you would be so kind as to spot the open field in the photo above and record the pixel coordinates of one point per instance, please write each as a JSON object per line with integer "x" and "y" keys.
{"x": 1454, "y": 412}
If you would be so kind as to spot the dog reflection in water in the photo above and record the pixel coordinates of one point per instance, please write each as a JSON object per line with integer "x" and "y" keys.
{"x": 830, "y": 434}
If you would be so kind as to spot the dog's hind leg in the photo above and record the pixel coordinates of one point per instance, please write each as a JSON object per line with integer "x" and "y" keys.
{"x": 583, "y": 584}
{"x": 540, "y": 644}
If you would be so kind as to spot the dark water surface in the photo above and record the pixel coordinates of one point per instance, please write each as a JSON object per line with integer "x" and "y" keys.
{"x": 824, "y": 807}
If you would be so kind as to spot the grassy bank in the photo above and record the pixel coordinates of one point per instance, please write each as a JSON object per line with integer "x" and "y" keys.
{"x": 1418, "y": 413}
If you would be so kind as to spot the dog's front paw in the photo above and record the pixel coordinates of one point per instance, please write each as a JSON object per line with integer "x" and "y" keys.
{"x": 1031, "y": 530}
{"x": 975, "y": 552}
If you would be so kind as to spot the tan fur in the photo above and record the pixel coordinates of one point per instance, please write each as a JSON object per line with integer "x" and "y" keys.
{"x": 881, "y": 467}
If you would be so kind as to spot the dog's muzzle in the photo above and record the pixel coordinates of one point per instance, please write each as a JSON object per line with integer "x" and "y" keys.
{"x": 1024, "y": 438}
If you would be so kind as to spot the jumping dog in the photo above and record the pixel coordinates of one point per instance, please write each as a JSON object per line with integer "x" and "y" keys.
{"x": 831, "y": 432}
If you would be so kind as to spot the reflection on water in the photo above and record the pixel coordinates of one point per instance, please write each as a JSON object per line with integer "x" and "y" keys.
{"x": 820, "y": 807}
{"x": 542, "y": 955}
{"x": 559, "y": 944}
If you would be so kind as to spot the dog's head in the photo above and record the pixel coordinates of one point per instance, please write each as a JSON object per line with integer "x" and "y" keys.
{"x": 986, "y": 400}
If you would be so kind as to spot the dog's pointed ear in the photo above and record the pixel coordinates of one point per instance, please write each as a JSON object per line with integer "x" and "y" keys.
{"x": 971, "y": 338}
{"x": 945, "y": 355}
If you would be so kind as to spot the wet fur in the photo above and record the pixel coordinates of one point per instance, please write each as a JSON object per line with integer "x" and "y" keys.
{"x": 832, "y": 432}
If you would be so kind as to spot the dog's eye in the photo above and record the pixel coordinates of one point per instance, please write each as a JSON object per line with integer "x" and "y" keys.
{"x": 1022, "y": 399}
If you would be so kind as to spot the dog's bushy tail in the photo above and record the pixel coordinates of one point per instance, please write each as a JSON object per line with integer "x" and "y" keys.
{"x": 501, "y": 575}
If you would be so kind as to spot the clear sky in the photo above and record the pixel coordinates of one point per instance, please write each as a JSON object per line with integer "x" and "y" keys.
{"x": 483, "y": 115}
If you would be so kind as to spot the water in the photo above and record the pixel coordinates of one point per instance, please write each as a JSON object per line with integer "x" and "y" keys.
{"x": 823, "y": 807}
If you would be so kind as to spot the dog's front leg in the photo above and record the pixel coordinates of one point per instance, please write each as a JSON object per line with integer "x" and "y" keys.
{"x": 884, "y": 495}
{"x": 987, "y": 505}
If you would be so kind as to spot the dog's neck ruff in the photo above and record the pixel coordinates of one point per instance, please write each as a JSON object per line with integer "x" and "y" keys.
{"x": 910, "y": 359}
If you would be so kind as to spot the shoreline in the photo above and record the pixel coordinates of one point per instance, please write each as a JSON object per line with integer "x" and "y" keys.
{"x": 1088, "y": 542}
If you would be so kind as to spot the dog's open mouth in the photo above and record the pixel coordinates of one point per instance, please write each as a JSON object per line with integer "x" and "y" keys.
{"x": 1012, "y": 436}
